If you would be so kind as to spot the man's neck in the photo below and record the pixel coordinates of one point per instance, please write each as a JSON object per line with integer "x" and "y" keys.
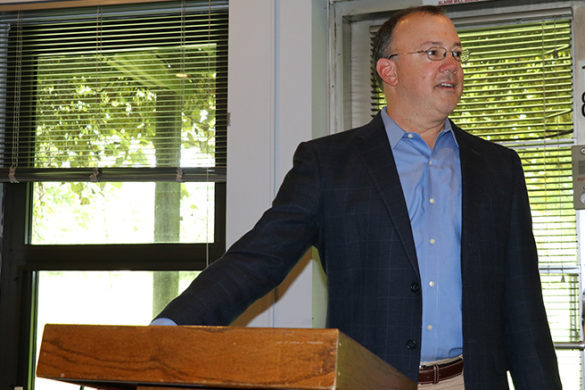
{"x": 428, "y": 129}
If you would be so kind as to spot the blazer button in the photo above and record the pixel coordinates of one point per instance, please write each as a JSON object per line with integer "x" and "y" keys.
{"x": 415, "y": 287}
{"x": 411, "y": 344}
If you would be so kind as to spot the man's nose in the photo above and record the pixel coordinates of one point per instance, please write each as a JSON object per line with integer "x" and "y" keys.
{"x": 449, "y": 62}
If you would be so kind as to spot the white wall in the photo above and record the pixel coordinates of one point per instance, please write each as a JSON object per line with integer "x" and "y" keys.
{"x": 276, "y": 96}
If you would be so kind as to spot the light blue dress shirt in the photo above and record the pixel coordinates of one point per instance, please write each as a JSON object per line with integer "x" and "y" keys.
{"x": 431, "y": 182}
{"x": 163, "y": 322}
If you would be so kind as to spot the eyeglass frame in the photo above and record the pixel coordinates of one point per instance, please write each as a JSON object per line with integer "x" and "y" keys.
{"x": 463, "y": 55}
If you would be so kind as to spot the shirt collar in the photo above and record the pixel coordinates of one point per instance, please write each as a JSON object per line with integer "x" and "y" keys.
{"x": 395, "y": 132}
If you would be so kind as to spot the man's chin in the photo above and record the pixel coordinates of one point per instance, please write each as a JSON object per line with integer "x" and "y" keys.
{"x": 447, "y": 110}
{"x": 448, "y": 106}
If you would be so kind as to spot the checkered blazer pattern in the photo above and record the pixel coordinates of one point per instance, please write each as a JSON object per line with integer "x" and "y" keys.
{"x": 343, "y": 196}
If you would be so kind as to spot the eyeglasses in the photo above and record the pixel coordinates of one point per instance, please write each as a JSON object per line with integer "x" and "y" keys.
{"x": 438, "y": 54}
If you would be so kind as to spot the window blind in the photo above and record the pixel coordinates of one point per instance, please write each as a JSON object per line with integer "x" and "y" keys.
{"x": 120, "y": 93}
{"x": 519, "y": 92}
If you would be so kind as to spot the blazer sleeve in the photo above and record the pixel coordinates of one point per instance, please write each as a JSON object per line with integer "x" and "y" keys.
{"x": 530, "y": 351}
{"x": 261, "y": 259}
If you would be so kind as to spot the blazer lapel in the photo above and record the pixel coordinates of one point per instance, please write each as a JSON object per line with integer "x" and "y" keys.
{"x": 471, "y": 193}
{"x": 374, "y": 148}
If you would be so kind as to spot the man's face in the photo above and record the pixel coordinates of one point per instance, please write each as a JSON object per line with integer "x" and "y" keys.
{"x": 426, "y": 87}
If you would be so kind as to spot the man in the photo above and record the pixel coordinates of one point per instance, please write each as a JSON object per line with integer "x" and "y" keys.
{"x": 424, "y": 232}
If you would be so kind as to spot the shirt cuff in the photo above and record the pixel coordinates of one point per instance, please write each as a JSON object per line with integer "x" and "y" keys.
{"x": 163, "y": 321}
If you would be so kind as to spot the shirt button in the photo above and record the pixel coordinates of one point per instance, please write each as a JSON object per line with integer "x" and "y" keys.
{"x": 432, "y": 284}
{"x": 430, "y": 162}
{"x": 430, "y": 327}
{"x": 414, "y": 287}
{"x": 410, "y": 135}
{"x": 411, "y": 344}
{"x": 432, "y": 200}
{"x": 432, "y": 240}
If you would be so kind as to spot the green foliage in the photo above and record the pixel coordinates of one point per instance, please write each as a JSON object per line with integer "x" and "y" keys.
{"x": 518, "y": 82}
{"x": 107, "y": 110}
{"x": 126, "y": 109}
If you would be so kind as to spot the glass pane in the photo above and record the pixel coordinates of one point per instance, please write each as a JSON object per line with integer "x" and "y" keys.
{"x": 562, "y": 300}
{"x": 548, "y": 178}
{"x": 122, "y": 213}
{"x": 107, "y": 298}
{"x": 125, "y": 107}
{"x": 571, "y": 368}
{"x": 518, "y": 82}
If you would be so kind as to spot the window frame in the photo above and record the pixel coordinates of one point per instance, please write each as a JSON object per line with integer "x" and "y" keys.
{"x": 20, "y": 261}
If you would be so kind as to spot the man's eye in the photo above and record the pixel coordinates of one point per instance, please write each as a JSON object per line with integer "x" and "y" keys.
{"x": 435, "y": 53}
{"x": 457, "y": 53}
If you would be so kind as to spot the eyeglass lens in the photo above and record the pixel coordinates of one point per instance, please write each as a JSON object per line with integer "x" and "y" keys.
{"x": 438, "y": 53}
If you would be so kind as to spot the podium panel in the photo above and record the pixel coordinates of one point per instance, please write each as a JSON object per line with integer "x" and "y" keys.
{"x": 203, "y": 357}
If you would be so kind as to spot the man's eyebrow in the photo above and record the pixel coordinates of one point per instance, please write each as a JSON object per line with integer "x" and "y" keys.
{"x": 437, "y": 43}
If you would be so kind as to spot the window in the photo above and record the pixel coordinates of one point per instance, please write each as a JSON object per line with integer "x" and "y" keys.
{"x": 519, "y": 93}
{"x": 113, "y": 157}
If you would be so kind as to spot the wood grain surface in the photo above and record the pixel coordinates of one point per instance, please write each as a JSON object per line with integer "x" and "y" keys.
{"x": 136, "y": 357}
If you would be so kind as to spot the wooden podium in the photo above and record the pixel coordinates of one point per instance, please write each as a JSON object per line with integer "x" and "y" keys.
{"x": 195, "y": 357}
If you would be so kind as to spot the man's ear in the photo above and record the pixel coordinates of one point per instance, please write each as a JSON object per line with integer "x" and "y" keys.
{"x": 387, "y": 71}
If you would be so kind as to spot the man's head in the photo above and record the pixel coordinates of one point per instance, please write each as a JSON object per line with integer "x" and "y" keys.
{"x": 383, "y": 39}
{"x": 416, "y": 78}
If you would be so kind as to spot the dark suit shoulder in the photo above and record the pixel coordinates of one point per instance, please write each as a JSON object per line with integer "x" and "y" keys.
{"x": 479, "y": 144}
{"x": 490, "y": 157}
{"x": 348, "y": 138}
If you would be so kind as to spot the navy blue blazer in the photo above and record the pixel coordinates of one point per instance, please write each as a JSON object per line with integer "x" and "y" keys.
{"x": 343, "y": 196}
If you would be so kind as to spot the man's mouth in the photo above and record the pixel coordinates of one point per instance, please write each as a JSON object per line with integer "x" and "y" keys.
{"x": 446, "y": 85}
